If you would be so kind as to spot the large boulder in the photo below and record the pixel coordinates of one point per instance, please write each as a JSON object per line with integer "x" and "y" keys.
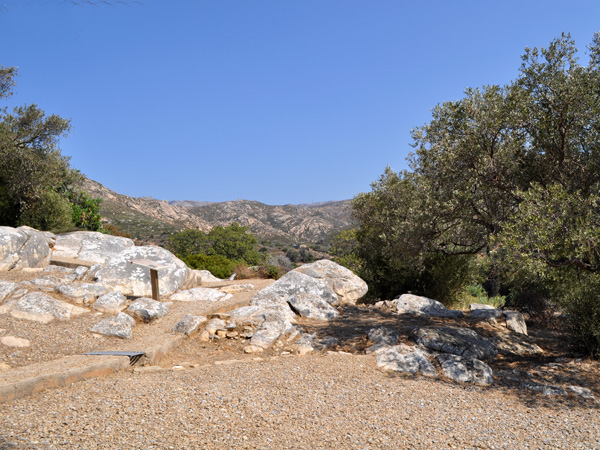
{"x": 312, "y": 307}
{"x": 515, "y": 322}
{"x": 383, "y": 336}
{"x": 274, "y": 326}
{"x": 90, "y": 246}
{"x": 147, "y": 310}
{"x": 515, "y": 344}
{"x": 82, "y": 293}
{"x": 119, "y": 326}
{"x": 405, "y": 359}
{"x": 457, "y": 341}
{"x": 132, "y": 279}
{"x": 348, "y": 287}
{"x": 189, "y": 324}
{"x": 40, "y": 307}
{"x": 464, "y": 370}
{"x": 22, "y": 248}
{"x": 295, "y": 282}
{"x": 413, "y": 304}
{"x": 111, "y": 303}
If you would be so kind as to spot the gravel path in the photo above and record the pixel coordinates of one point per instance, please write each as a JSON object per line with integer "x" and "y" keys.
{"x": 315, "y": 402}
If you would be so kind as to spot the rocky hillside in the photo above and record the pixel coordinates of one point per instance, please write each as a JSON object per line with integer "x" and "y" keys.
{"x": 145, "y": 219}
{"x": 151, "y": 220}
{"x": 286, "y": 223}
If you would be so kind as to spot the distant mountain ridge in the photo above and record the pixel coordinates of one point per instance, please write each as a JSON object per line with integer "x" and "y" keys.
{"x": 150, "y": 220}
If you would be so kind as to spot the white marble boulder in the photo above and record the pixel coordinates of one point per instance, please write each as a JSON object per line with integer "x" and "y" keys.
{"x": 465, "y": 370}
{"x": 40, "y": 307}
{"x": 90, "y": 246}
{"x": 348, "y": 287}
{"x": 111, "y": 303}
{"x": 189, "y": 324}
{"x": 131, "y": 279}
{"x": 82, "y": 293}
{"x": 414, "y": 304}
{"x": 382, "y": 337}
{"x": 6, "y": 289}
{"x": 405, "y": 359}
{"x": 119, "y": 326}
{"x": 147, "y": 310}
{"x": 312, "y": 306}
{"x": 273, "y": 326}
{"x": 515, "y": 322}
{"x": 23, "y": 247}
{"x": 295, "y": 282}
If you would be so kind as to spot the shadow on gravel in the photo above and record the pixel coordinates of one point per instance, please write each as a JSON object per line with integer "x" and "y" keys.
{"x": 556, "y": 367}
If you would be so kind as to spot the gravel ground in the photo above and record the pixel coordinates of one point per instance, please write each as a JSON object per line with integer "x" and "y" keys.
{"x": 72, "y": 337}
{"x": 315, "y": 402}
{"x": 224, "y": 399}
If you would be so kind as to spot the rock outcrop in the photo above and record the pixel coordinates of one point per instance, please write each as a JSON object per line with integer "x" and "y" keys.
{"x": 457, "y": 341}
{"x": 91, "y": 246}
{"x": 40, "y": 307}
{"x": 24, "y": 247}
{"x": 348, "y": 287}
{"x": 413, "y": 304}
{"x": 119, "y": 326}
{"x": 131, "y": 279}
{"x": 147, "y": 310}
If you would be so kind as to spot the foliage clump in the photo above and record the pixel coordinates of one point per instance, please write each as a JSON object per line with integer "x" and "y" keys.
{"x": 221, "y": 251}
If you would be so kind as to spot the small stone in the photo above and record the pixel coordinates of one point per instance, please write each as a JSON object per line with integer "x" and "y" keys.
{"x": 303, "y": 349}
{"x": 581, "y": 391}
{"x": 189, "y": 324}
{"x": 222, "y": 316}
{"x": 222, "y": 333}
{"x": 204, "y": 336}
{"x": 11, "y": 341}
{"x": 175, "y": 368}
{"x": 253, "y": 349}
{"x": 214, "y": 325}
{"x": 232, "y": 335}
{"x": 147, "y": 309}
{"x": 80, "y": 272}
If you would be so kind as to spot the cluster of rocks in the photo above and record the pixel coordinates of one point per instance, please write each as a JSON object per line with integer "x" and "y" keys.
{"x": 107, "y": 282}
{"x": 462, "y": 354}
{"x": 93, "y": 272}
{"x": 312, "y": 291}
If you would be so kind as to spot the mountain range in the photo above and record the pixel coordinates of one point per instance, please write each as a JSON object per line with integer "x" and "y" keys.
{"x": 150, "y": 220}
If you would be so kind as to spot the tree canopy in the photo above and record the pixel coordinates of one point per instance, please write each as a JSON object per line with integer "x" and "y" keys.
{"x": 506, "y": 170}
{"x": 36, "y": 180}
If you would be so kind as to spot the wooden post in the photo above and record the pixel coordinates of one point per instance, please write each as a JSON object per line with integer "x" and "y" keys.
{"x": 154, "y": 267}
{"x": 154, "y": 283}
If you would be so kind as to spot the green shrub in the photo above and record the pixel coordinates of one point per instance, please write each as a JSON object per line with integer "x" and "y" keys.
{"x": 52, "y": 212}
{"x": 579, "y": 296}
{"x": 114, "y": 230}
{"x": 218, "y": 265}
{"x": 272, "y": 272}
{"x": 85, "y": 211}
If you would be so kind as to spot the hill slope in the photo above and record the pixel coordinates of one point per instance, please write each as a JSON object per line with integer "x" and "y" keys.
{"x": 150, "y": 220}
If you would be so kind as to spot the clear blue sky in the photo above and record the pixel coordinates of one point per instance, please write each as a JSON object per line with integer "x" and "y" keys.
{"x": 281, "y": 101}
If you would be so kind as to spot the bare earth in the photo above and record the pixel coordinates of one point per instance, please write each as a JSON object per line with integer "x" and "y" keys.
{"x": 221, "y": 398}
